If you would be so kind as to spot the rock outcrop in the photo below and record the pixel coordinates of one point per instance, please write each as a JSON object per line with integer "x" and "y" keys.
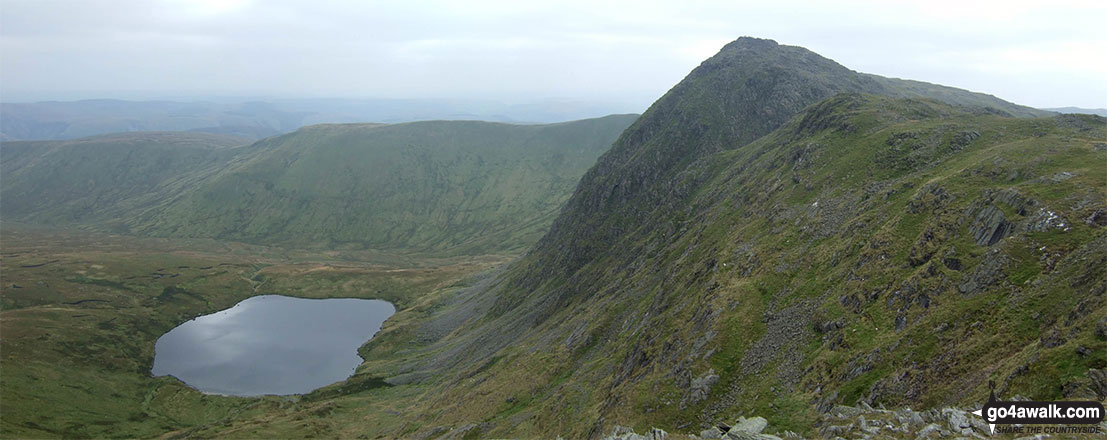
{"x": 849, "y": 422}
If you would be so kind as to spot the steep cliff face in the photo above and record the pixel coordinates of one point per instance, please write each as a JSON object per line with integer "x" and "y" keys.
{"x": 774, "y": 236}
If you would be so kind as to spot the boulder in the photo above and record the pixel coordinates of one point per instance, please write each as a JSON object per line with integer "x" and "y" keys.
{"x": 712, "y": 433}
{"x": 623, "y": 433}
{"x": 700, "y": 388}
{"x": 750, "y": 429}
{"x": 929, "y": 430}
{"x": 1099, "y": 382}
{"x": 626, "y": 433}
{"x": 958, "y": 421}
{"x": 752, "y": 425}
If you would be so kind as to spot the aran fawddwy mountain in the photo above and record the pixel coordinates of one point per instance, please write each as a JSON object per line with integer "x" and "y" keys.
{"x": 777, "y": 236}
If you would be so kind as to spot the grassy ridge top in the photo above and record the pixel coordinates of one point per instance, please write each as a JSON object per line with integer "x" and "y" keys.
{"x": 451, "y": 186}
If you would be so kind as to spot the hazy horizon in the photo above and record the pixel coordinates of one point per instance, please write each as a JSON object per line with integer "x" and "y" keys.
{"x": 621, "y": 54}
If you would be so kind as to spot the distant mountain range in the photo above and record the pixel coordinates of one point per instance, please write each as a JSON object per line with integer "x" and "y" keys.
{"x": 1078, "y": 110}
{"x": 258, "y": 119}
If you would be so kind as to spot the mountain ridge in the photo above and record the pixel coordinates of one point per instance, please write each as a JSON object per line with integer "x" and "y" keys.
{"x": 809, "y": 76}
{"x": 650, "y": 287}
{"x": 1088, "y": 111}
{"x": 427, "y": 186}
{"x": 254, "y": 119}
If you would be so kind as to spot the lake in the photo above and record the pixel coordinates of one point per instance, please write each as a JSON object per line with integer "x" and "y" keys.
{"x": 271, "y": 344}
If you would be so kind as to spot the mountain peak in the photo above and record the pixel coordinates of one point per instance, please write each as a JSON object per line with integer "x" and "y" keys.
{"x": 751, "y": 43}
{"x": 640, "y": 186}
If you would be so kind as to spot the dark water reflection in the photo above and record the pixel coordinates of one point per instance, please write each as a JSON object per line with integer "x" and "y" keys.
{"x": 271, "y": 345}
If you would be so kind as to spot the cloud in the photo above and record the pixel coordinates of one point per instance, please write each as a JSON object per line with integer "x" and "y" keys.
{"x": 619, "y": 50}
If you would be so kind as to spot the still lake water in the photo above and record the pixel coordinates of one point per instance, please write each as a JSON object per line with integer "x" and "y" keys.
{"x": 271, "y": 344}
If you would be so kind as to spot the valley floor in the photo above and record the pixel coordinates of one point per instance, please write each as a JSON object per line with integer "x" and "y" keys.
{"x": 81, "y": 312}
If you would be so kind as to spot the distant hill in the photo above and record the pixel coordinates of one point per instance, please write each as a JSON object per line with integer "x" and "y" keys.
{"x": 258, "y": 119}
{"x": 1078, "y": 110}
{"x": 904, "y": 88}
{"x": 72, "y": 120}
{"x": 100, "y": 178}
{"x": 441, "y": 186}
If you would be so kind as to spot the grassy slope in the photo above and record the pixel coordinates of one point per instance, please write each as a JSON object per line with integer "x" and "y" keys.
{"x": 466, "y": 187}
{"x": 441, "y": 186}
{"x": 749, "y": 89}
{"x": 748, "y": 283}
{"x": 99, "y": 178}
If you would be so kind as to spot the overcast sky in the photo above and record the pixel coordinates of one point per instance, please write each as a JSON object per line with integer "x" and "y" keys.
{"x": 1038, "y": 53}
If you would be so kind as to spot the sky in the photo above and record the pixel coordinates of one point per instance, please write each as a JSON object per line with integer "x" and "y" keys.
{"x": 1037, "y": 53}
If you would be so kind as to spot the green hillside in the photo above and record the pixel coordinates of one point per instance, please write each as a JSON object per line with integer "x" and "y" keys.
{"x": 760, "y": 243}
{"x": 439, "y": 186}
{"x": 101, "y": 178}
{"x": 454, "y": 186}
{"x": 749, "y": 89}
